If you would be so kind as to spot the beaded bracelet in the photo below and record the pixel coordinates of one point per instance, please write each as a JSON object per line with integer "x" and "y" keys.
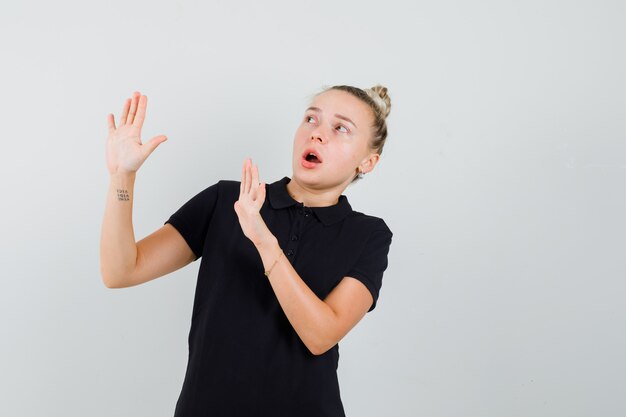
{"x": 267, "y": 273}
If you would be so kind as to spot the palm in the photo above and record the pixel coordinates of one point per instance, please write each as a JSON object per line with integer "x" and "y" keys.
{"x": 247, "y": 207}
{"x": 124, "y": 150}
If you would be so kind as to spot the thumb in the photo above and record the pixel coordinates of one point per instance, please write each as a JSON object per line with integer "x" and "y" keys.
{"x": 153, "y": 143}
{"x": 111, "y": 122}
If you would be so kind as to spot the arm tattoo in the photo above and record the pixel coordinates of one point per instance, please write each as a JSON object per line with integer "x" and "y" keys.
{"x": 122, "y": 195}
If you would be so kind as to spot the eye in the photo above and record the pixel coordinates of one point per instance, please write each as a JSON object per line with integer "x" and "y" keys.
{"x": 307, "y": 118}
{"x": 346, "y": 131}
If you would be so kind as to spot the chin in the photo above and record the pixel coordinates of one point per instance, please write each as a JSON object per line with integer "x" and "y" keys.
{"x": 310, "y": 178}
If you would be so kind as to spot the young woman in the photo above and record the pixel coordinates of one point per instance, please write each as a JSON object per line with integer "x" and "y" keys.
{"x": 288, "y": 268}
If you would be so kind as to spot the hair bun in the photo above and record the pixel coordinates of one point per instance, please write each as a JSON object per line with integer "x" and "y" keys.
{"x": 378, "y": 93}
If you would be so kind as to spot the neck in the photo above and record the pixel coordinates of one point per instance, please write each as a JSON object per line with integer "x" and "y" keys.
{"x": 311, "y": 197}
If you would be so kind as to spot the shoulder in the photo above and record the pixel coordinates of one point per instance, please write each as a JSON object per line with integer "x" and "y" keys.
{"x": 228, "y": 188}
{"x": 229, "y": 184}
{"x": 368, "y": 223}
{"x": 216, "y": 191}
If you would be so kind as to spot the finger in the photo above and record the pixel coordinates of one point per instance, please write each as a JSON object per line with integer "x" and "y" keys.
{"x": 111, "y": 122}
{"x": 152, "y": 144}
{"x": 141, "y": 111}
{"x": 242, "y": 185}
{"x": 255, "y": 180}
{"x": 262, "y": 193}
{"x": 248, "y": 182}
{"x": 125, "y": 112}
{"x": 255, "y": 175}
{"x": 133, "y": 108}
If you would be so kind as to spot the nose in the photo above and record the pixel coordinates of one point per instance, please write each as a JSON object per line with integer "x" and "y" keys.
{"x": 321, "y": 132}
{"x": 318, "y": 136}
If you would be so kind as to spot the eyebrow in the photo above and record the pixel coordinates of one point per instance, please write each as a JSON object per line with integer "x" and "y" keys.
{"x": 340, "y": 116}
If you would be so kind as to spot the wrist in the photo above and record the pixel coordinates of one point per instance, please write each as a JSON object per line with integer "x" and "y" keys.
{"x": 268, "y": 241}
{"x": 124, "y": 176}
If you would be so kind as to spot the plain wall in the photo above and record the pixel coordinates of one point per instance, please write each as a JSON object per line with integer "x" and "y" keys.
{"x": 503, "y": 180}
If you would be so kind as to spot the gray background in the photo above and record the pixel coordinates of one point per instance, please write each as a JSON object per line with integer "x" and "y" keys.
{"x": 502, "y": 179}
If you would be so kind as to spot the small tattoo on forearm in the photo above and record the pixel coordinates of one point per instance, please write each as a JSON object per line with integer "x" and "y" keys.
{"x": 122, "y": 195}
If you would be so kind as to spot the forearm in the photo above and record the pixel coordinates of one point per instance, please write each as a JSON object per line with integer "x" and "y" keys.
{"x": 310, "y": 316}
{"x": 118, "y": 249}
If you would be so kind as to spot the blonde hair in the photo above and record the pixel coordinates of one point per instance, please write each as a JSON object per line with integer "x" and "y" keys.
{"x": 379, "y": 102}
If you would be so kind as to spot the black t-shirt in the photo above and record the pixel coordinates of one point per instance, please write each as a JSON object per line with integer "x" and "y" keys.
{"x": 245, "y": 358}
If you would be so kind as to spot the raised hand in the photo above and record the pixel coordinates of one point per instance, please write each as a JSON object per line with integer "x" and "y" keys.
{"x": 124, "y": 151}
{"x": 251, "y": 198}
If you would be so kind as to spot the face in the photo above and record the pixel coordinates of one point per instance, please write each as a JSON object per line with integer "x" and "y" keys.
{"x": 338, "y": 130}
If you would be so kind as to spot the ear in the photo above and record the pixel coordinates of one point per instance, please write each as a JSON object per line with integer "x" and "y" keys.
{"x": 369, "y": 163}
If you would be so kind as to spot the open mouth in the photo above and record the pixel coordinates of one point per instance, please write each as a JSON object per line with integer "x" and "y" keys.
{"x": 311, "y": 156}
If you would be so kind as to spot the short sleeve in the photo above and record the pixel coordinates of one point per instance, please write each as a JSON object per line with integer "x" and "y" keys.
{"x": 372, "y": 262}
{"x": 192, "y": 218}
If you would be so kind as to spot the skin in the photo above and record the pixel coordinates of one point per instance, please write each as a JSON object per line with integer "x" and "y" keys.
{"x": 344, "y": 150}
{"x": 124, "y": 151}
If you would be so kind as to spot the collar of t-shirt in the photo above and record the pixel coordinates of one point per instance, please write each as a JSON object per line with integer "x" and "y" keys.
{"x": 279, "y": 198}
